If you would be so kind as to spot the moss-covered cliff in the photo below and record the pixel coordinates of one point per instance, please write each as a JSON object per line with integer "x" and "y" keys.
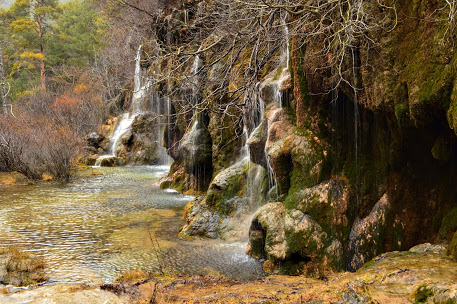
{"x": 359, "y": 168}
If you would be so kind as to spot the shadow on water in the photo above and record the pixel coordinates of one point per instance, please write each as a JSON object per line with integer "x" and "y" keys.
{"x": 94, "y": 227}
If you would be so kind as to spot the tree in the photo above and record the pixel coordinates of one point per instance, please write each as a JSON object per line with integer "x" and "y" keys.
{"x": 31, "y": 21}
{"x": 76, "y": 35}
{"x": 2, "y": 82}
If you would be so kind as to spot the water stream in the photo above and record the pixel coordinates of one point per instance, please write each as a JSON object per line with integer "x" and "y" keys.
{"x": 96, "y": 226}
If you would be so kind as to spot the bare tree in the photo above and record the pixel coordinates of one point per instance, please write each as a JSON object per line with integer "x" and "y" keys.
{"x": 2, "y": 83}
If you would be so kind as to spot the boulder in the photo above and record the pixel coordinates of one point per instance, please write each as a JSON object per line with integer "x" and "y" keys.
{"x": 200, "y": 220}
{"x": 266, "y": 234}
{"x": 96, "y": 140}
{"x": 366, "y": 239}
{"x": 233, "y": 195}
{"x": 110, "y": 161}
{"x": 292, "y": 242}
{"x": 305, "y": 235}
{"x": 327, "y": 203}
{"x": 256, "y": 143}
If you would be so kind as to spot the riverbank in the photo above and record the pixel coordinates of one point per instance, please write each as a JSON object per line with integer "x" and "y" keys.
{"x": 423, "y": 274}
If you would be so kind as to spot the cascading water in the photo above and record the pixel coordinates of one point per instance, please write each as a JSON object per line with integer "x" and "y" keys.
{"x": 284, "y": 74}
{"x": 143, "y": 88}
{"x": 283, "y": 67}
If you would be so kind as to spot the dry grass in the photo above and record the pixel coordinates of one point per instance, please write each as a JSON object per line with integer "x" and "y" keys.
{"x": 22, "y": 268}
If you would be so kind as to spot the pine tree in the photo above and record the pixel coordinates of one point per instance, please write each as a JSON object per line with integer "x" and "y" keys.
{"x": 31, "y": 21}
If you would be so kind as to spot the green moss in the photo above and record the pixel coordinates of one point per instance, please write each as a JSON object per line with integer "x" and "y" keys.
{"x": 421, "y": 294}
{"x": 279, "y": 71}
{"x": 436, "y": 221}
{"x": 452, "y": 247}
{"x": 448, "y": 225}
{"x": 165, "y": 184}
{"x": 441, "y": 149}
{"x": 222, "y": 200}
{"x": 401, "y": 111}
{"x": 368, "y": 264}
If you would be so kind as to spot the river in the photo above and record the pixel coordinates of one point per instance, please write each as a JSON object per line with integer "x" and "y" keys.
{"x": 92, "y": 228}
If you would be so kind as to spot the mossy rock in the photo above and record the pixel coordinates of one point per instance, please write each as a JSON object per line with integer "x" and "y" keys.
{"x": 451, "y": 249}
{"x": 327, "y": 203}
{"x": 422, "y": 294}
{"x": 166, "y": 184}
{"x": 448, "y": 225}
{"x": 230, "y": 186}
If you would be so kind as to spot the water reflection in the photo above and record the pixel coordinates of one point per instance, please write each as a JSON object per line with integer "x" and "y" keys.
{"x": 91, "y": 229}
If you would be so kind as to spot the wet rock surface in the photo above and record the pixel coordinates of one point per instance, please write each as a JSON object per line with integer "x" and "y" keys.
{"x": 141, "y": 144}
{"x": 306, "y": 234}
{"x": 422, "y": 275}
{"x": 232, "y": 197}
{"x": 366, "y": 238}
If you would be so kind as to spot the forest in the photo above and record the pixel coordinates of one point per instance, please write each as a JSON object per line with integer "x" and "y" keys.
{"x": 228, "y": 151}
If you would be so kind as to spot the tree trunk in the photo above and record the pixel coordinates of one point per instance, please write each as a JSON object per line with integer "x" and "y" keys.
{"x": 2, "y": 83}
{"x": 42, "y": 68}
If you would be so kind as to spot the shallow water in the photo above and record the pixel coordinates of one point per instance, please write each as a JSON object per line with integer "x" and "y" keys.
{"x": 94, "y": 227}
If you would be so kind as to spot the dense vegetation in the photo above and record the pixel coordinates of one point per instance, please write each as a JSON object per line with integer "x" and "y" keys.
{"x": 61, "y": 78}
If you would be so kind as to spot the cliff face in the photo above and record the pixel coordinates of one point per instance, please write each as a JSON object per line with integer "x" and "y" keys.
{"x": 341, "y": 175}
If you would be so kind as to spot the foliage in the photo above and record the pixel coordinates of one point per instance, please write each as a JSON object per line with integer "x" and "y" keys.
{"x": 35, "y": 144}
{"x": 76, "y": 35}
{"x": 23, "y": 269}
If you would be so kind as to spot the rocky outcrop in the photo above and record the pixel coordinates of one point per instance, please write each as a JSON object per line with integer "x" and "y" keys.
{"x": 356, "y": 172}
{"x": 367, "y": 234}
{"x": 141, "y": 144}
{"x": 96, "y": 144}
{"x": 233, "y": 195}
{"x": 305, "y": 236}
{"x": 200, "y": 220}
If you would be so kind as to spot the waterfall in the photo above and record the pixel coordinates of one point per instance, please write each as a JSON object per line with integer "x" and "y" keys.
{"x": 142, "y": 89}
{"x": 356, "y": 128}
{"x": 283, "y": 66}
{"x": 186, "y": 17}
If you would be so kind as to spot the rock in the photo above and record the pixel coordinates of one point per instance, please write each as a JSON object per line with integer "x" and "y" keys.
{"x": 452, "y": 247}
{"x": 327, "y": 203}
{"x": 90, "y": 150}
{"x": 296, "y": 235}
{"x": 427, "y": 247}
{"x": 201, "y": 221}
{"x": 366, "y": 237}
{"x": 233, "y": 195}
{"x": 127, "y": 138}
{"x": 112, "y": 161}
{"x": 269, "y": 223}
{"x": 256, "y": 143}
{"x": 95, "y": 140}
{"x": 196, "y": 148}
{"x": 296, "y": 160}
{"x": 435, "y": 293}
{"x": 90, "y": 160}
{"x": 280, "y": 160}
